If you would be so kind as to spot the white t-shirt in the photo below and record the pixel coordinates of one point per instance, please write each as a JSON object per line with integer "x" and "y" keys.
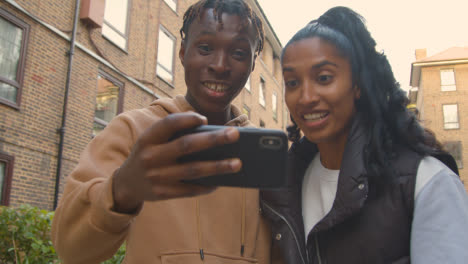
{"x": 440, "y": 219}
{"x": 318, "y": 192}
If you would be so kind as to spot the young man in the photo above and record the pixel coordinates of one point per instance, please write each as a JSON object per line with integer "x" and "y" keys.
{"x": 127, "y": 185}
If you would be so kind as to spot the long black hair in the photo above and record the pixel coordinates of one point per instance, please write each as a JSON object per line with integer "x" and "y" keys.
{"x": 382, "y": 103}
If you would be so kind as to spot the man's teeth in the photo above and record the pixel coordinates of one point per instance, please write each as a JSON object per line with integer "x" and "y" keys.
{"x": 314, "y": 116}
{"x": 218, "y": 87}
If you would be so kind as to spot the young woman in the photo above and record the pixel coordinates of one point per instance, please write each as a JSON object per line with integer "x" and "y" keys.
{"x": 366, "y": 184}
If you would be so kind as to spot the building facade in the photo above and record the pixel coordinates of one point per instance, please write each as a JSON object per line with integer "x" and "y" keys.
{"x": 63, "y": 79}
{"x": 440, "y": 95}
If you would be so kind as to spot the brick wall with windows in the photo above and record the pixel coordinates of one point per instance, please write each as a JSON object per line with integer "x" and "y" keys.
{"x": 445, "y": 110}
{"x": 28, "y": 131}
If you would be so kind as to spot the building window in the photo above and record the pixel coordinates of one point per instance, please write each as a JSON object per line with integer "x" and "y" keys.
{"x": 115, "y": 26}
{"x": 274, "y": 101}
{"x": 108, "y": 103}
{"x": 262, "y": 124}
{"x": 276, "y": 67}
{"x": 6, "y": 173}
{"x": 172, "y": 4}
{"x": 247, "y": 85}
{"x": 166, "y": 48}
{"x": 13, "y": 42}
{"x": 455, "y": 149}
{"x": 447, "y": 80}
{"x": 246, "y": 111}
{"x": 261, "y": 93}
{"x": 451, "y": 116}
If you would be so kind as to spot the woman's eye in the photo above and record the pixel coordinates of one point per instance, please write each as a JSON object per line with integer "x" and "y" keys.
{"x": 324, "y": 78}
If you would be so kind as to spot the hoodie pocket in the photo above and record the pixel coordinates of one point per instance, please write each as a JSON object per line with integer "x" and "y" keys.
{"x": 183, "y": 257}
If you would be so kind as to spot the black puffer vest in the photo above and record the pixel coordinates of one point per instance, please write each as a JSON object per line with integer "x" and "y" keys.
{"x": 362, "y": 227}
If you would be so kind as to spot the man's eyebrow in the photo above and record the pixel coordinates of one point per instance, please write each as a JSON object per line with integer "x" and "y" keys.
{"x": 316, "y": 66}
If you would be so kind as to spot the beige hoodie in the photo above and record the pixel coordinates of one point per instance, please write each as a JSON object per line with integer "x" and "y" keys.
{"x": 86, "y": 230}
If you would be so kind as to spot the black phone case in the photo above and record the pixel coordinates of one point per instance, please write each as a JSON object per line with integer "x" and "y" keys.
{"x": 262, "y": 152}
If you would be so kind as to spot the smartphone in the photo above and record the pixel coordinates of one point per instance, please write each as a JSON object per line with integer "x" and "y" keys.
{"x": 262, "y": 152}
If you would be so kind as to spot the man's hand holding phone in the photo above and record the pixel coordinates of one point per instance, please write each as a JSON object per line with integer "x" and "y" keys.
{"x": 152, "y": 171}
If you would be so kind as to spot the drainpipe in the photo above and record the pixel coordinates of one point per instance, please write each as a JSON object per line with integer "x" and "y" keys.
{"x": 61, "y": 130}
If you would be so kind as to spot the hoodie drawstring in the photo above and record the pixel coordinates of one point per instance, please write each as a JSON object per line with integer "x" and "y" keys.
{"x": 243, "y": 220}
{"x": 243, "y": 224}
{"x": 200, "y": 246}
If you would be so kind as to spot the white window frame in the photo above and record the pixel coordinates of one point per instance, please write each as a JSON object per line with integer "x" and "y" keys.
{"x": 451, "y": 122}
{"x": 447, "y": 80}
{"x": 118, "y": 37}
{"x": 172, "y": 4}
{"x": 248, "y": 85}
{"x": 163, "y": 71}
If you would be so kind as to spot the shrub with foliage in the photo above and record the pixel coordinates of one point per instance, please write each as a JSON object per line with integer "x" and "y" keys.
{"x": 25, "y": 237}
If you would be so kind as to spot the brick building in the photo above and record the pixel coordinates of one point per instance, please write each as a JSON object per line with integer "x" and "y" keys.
{"x": 440, "y": 94}
{"x": 124, "y": 55}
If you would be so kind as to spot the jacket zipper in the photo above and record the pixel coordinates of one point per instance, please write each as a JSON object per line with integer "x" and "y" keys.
{"x": 317, "y": 248}
{"x": 292, "y": 231}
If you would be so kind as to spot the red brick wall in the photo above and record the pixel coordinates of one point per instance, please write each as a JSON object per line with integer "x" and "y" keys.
{"x": 434, "y": 98}
{"x": 30, "y": 133}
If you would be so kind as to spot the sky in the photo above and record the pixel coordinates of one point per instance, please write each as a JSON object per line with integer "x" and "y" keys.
{"x": 398, "y": 26}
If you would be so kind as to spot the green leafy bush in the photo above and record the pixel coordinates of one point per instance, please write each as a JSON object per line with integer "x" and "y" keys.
{"x": 25, "y": 237}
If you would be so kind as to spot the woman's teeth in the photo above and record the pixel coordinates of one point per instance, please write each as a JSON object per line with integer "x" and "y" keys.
{"x": 314, "y": 116}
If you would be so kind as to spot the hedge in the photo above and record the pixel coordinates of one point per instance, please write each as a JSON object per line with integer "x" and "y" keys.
{"x": 25, "y": 237}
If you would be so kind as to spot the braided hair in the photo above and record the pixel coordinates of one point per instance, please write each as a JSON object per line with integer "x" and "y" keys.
{"x": 382, "y": 103}
{"x": 232, "y": 7}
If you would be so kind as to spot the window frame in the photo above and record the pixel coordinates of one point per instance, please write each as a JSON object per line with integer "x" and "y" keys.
{"x": 6, "y": 184}
{"x": 262, "y": 90}
{"x": 453, "y": 87}
{"x": 176, "y": 3}
{"x": 274, "y": 106}
{"x": 21, "y": 61}
{"x": 445, "y": 122}
{"x": 165, "y": 31}
{"x": 127, "y": 27}
{"x": 121, "y": 86}
{"x": 247, "y": 109}
{"x": 248, "y": 85}
{"x": 262, "y": 123}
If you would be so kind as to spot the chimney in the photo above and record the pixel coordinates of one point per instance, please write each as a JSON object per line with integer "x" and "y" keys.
{"x": 420, "y": 54}
{"x": 92, "y": 12}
